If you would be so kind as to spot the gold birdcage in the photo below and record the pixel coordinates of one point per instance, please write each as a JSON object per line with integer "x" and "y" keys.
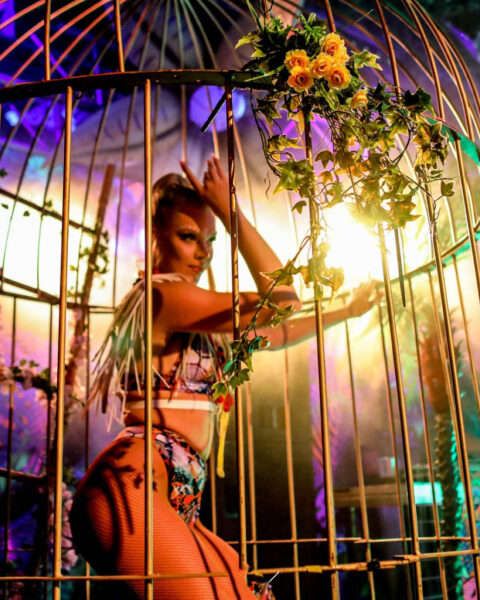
{"x": 351, "y": 471}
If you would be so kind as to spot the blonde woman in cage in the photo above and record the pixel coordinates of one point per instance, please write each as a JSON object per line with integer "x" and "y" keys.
{"x": 188, "y": 354}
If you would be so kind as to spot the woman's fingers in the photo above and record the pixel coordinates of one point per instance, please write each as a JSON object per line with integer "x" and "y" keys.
{"x": 197, "y": 186}
{"x": 218, "y": 166}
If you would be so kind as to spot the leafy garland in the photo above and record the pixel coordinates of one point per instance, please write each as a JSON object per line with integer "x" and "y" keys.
{"x": 310, "y": 74}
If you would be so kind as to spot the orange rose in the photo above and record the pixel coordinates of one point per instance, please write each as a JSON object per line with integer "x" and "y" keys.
{"x": 339, "y": 76}
{"x": 335, "y": 46}
{"x": 296, "y": 58}
{"x": 359, "y": 99}
{"x": 300, "y": 79}
{"x": 321, "y": 66}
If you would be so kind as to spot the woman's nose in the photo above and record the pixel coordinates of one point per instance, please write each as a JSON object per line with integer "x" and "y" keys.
{"x": 203, "y": 249}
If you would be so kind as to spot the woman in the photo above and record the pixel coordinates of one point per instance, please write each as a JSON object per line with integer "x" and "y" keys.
{"x": 108, "y": 513}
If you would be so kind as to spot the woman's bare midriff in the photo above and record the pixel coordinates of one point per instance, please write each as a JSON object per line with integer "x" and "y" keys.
{"x": 196, "y": 426}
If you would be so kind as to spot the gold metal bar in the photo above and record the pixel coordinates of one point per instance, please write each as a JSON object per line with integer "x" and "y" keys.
{"x": 431, "y": 476}
{"x": 87, "y": 428}
{"x": 118, "y": 35}
{"x": 454, "y": 387}
{"x": 402, "y": 411}
{"x": 365, "y": 15}
{"x": 213, "y": 489}
{"x": 391, "y": 51}
{"x": 46, "y": 43}
{"x": 11, "y": 408}
{"x": 330, "y": 17}
{"x": 48, "y": 441}
{"x": 183, "y": 108}
{"x": 62, "y": 326}
{"x": 448, "y": 49}
{"x": 469, "y": 213}
{"x": 8, "y": 487}
{"x": 431, "y": 59}
{"x": 290, "y": 471}
{"x": 322, "y": 384}
{"x": 147, "y": 375}
{"x": 251, "y": 474}
{"x": 359, "y": 462}
{"x": 468, "y": 343}
{"x": 391, "y": 424}
{"x": 236, "y": 323}
{"x": 132, "y": 577}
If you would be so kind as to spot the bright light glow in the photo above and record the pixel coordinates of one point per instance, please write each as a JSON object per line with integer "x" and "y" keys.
{"x": 352, "y": 247}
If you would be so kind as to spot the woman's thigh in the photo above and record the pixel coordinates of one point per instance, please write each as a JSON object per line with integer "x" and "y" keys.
{"x": 108, "y": 526}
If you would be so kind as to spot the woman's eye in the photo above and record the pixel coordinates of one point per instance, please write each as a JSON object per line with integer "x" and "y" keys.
{"x": 187, "y": 236}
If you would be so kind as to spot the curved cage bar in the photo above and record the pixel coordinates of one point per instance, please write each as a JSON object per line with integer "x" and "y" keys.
{"x": 353, "y": 468}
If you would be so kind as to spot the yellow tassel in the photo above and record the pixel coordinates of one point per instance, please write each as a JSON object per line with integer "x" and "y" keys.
{"x": 222, "y": 434}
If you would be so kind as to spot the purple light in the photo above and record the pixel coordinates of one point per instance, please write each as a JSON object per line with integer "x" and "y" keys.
{"x": 12, "y": 117}
{"x": 203, "y": 101}
{"x": 7, "y": 11}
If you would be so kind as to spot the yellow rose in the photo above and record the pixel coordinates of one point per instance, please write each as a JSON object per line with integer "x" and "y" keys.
{"x": 339, "y": 76}
{"x": 321, "y": 66}
{"x": 359, "y": 99}
{"x": 296, "y": 58}
{"x": 334, "y": 45}
{"x": 300, "y": 79}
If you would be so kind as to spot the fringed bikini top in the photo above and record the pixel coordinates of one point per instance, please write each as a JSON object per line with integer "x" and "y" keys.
{"x": 120, "y": 362}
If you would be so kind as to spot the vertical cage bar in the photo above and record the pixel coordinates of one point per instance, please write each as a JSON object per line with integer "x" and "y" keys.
{"x": 359, "y": 464}
{"x": 431, "y": 475}
{"x": 403, "y": 413}
{"x": 213, "y": 490}
{"x": 62, "y": 326}
{"x": 449, "y": 51}
{"x": 119, "y": 38}
{"x": 236, "y": 321}
{"x": 87, "y": 429}
{"x": 322, "y": 384}
{"x": 431, "y": 60}
{"x": 468, "y": 343}
{"x": 330, "y": 17}
{"x": 290, "y": 473}
{"x": 8, "y": 483}
{"x": 147, "y": 375}
{"x": 48, "y": 442}
{"x": 453, "y": 384}
{"x": 46, "y": 43}
{"x": 251, "y": 475}
{"x": 469, "y": 213}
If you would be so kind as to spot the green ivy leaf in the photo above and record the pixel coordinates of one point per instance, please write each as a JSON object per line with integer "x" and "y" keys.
{"x": 446, "y": 188}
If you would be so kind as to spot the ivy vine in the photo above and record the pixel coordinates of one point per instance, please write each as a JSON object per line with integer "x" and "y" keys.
{"x": 310, "y": 74}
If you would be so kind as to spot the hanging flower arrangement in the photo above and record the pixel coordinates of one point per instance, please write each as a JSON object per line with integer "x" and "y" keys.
{"x": 309, "y": 73}
{"x": 312, "y": 75}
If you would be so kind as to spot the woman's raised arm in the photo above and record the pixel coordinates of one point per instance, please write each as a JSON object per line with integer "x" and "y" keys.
{"x": 296, "y": 330}
{"x": 258, "y": 255}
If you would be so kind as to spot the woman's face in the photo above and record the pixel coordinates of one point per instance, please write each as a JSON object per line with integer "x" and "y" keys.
{"x": 185, "y": 242}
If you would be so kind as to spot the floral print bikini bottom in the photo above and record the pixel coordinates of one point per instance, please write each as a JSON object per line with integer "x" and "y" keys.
{"x": 186, "y": 470}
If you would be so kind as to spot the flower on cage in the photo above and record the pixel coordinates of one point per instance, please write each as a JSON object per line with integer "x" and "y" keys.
{"x": 6, "y": 375}
{"x": 359, "y": 99}
{"x": 334, "y": 45}
{"x": 321, "y": 66}
{"x": 339, "y": 76}
{"x": 301, "y": 79}
{"x": 296, "y": 58}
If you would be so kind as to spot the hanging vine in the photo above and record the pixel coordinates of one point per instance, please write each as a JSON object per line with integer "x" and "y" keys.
{"x": 311, "y": 75}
